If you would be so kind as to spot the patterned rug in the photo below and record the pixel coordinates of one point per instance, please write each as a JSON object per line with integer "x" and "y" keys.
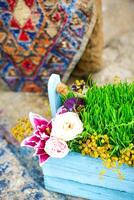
{"x": 41, "y": 37}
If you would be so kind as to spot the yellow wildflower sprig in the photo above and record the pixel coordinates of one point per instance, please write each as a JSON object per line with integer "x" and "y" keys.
{"x": 127, "y": 156}
{"x": 96, "y": 146}
{"x": 99, "y": 146}
{"x": 22, "y": 129}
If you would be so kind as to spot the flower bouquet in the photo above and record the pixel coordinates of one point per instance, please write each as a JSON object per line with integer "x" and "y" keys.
{"x": 92, "y": 130}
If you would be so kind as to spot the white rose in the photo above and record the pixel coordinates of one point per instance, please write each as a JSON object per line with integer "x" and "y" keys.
{"x": 56, "y": 148}
{"x": 66, "y": 126}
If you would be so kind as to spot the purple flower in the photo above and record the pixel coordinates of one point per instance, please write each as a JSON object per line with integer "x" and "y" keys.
{"x": 74, "y": 104}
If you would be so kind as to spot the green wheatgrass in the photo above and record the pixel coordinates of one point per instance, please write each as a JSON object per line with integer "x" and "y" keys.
{"x": 109, "y": 111}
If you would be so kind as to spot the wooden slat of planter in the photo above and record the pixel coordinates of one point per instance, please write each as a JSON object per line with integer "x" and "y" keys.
{"x": 83, "y": 190}
{"x": 84, "y": 169}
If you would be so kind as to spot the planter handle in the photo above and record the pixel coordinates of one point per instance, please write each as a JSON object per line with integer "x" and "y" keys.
{"x": 54, "y": 97}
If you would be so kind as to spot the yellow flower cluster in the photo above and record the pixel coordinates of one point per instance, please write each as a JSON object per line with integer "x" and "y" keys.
{"x": 22, "y": 129}
{"x": 96, "y": 146}
{"x": 99, "y": 146}
{"x": 127, "y": 156}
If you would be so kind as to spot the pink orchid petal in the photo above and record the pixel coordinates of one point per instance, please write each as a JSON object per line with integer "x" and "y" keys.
{"x": 28, "y": 143}
{"x": 33, "y": 138}
{"x": 37, "y": 120}
{"x": 40, "y": 151}
{"x": 41, "y": 134}
{"x": 37, "y": 133}
{"x": 42, "y": 143}
{"x": 43, "y": 158}
{"x": 42, "y": 128}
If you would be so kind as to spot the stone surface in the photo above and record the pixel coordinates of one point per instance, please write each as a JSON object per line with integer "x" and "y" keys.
{"x": 15, "y": 181}
{"x": 118, "y": 18}
{"x": 15, "y": 105}
{"x": 118, "y": 60}
{"x": 20, "y": 176}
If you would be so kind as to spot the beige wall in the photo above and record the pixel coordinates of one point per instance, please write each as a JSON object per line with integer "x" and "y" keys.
{"x": 118, "y": 17}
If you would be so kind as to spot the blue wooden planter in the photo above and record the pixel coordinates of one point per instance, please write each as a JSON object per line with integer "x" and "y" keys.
{"x": 78, "y": 175}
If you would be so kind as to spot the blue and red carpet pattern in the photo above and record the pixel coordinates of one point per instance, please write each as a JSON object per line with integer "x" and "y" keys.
{"x": 41, "y": 37}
